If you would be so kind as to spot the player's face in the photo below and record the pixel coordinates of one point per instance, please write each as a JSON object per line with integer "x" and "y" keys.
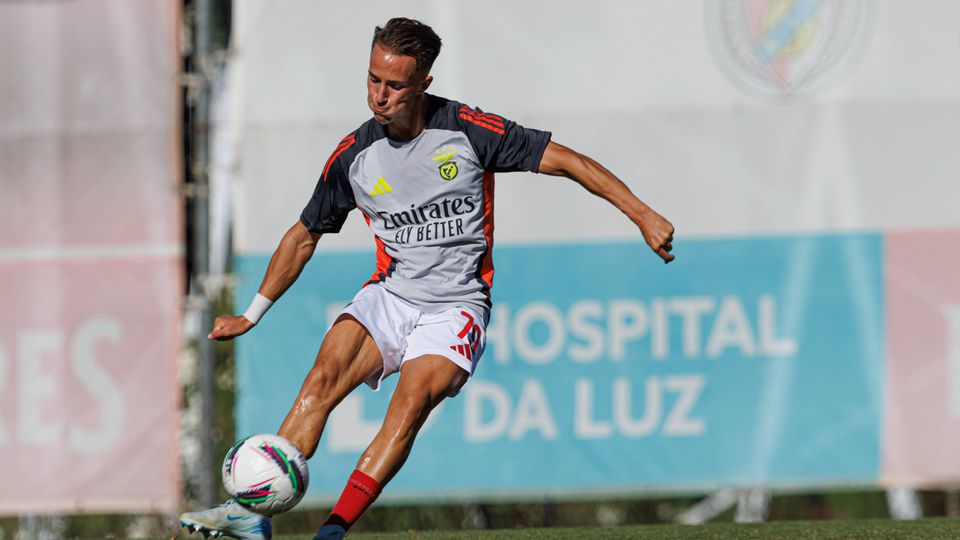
{"x": 393, "y": 84}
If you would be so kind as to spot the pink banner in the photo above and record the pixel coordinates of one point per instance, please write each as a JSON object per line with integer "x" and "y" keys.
{"x": 88, "y": 393}
{"x": 922, "y": 418}
{"x": 90, "y": 256}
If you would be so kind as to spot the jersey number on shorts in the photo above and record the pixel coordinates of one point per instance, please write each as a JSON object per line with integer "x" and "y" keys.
{"x": 472, "y": 334}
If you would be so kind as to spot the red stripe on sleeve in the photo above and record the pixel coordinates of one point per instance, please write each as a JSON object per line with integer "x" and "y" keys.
{"x": 490, "y": 118}
{"x": 482, "y": 124}
{"x": 347, "y": 142}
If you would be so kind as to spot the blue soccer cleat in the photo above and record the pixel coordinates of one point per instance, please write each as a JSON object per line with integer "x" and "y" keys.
{"x": 228, "y": 519}
{"x": 330, "y": 532}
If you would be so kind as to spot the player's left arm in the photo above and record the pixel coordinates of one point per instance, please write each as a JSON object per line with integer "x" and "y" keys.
{"x": 558, "y": 160}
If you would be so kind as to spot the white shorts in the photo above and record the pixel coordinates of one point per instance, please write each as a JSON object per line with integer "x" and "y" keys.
{"x": 403, "y": 333}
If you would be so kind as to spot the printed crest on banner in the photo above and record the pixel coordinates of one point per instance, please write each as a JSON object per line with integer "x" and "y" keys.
{"x": 784, "y": 49}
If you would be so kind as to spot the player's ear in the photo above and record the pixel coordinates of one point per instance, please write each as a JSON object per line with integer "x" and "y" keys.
{"x": 425, "y": 84}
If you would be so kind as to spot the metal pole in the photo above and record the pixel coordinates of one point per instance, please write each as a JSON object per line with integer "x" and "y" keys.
{"x": 200, "y": 167}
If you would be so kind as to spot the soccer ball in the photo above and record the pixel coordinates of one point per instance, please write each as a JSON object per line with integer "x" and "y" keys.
{"x": 266, "y": 474}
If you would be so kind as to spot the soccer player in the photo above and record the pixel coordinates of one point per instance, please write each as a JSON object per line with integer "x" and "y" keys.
{"x": 421, "y": 173}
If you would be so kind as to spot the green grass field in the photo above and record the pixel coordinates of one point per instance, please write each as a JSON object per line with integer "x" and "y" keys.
{"x": 926, "y": 529}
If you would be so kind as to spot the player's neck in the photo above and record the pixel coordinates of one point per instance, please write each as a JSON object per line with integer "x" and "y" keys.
{"x": 412, "y": 124}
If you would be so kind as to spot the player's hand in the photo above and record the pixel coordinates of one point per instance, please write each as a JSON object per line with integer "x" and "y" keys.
{"x": 225, "y": 328}
{"x": 658, "y": 232}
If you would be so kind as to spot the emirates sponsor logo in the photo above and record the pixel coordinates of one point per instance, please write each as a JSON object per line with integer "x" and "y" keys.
{"x": 422, "y": 215}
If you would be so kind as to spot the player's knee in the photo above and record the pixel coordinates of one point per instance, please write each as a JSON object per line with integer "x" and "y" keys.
{"x": 319, "y": 388}
{"x": 413, "y": 407}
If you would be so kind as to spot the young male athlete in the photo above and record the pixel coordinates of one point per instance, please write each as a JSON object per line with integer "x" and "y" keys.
{"x": 421, "y": 173}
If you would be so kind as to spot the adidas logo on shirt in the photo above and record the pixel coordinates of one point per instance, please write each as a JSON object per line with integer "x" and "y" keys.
{"x": 380, "y": 187}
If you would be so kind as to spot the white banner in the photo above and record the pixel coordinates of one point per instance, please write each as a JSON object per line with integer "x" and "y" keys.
{"x": 850, "y": 125}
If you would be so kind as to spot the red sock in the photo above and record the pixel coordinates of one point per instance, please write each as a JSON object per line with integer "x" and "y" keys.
{"x": 359, "y": 494}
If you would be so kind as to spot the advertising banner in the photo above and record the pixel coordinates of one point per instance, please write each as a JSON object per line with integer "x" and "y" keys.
{"x": 90, "y": 256}
{"x": 807, "y": 334}
{"x": 88, "y": 403}
{"x": 922, "y": 410}
{"x": 752, "y": 362}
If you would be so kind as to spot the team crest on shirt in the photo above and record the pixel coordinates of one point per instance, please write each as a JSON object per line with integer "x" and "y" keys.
{"x": 448, "y": 168}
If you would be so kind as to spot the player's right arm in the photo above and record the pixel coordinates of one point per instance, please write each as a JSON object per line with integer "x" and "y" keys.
{"x": 295, "y": 249}
{"x": 325, "y": 212}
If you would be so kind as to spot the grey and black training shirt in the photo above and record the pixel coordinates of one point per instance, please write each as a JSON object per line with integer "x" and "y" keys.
{"x": 428, "y": 201}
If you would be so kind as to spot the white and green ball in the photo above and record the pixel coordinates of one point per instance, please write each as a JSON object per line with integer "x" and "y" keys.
{"x": 266, "y": 474}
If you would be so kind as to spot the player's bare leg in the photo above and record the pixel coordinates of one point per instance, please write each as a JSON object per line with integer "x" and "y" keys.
{"x": 347, "y": 357}
{"x": 424, "y": 382}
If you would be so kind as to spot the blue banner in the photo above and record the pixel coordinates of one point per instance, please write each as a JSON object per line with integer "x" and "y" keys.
{"x": 745, "y": 362}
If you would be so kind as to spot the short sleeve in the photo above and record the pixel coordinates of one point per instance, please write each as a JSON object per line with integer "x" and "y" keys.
{"x": 503, "y": 145}
{"x": 332, "y": 199}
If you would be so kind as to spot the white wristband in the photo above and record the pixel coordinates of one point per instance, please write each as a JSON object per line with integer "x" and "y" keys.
{"x": 257, "y": 308}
